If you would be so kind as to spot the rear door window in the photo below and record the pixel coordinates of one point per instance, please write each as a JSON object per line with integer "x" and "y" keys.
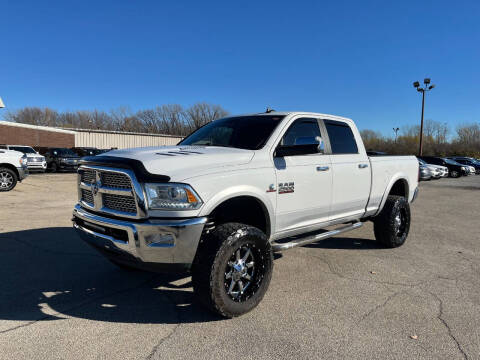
{"x": 341, "y": 137}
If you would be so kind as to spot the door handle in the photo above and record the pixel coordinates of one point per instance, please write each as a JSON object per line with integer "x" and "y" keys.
{"x": 322, "y": 168}
{"x": 362, "y": 166}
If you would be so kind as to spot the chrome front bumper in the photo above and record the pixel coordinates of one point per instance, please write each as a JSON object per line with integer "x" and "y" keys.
{"x": 148, "y": 244}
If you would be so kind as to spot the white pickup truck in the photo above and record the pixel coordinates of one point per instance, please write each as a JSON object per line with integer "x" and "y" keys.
{"x": 13, "y": 168}
{"x": 235, "y": 191}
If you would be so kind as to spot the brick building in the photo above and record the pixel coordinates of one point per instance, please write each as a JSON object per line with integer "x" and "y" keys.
{"x": 42, "y": 136}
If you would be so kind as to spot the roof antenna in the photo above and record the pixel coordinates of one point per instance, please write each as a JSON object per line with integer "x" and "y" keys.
{"x": 269, "y": 110}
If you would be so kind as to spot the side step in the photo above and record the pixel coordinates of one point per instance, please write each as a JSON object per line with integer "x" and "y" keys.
{"x": 314, "y": 238}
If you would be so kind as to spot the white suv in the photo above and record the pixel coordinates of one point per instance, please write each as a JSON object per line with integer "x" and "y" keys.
{"x": 13, "y": 168}
{"x": 36, "y": 162}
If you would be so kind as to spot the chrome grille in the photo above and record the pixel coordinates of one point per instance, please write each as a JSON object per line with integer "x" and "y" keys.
{"x": 109, "y": 190}
{"x": 115, "y": 180}
{"x": 87, "y": 196}
{"x": 87, "y": 176}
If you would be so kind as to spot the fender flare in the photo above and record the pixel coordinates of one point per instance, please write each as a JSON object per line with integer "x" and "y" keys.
{"x": 239, "y": 191}
{"x": 393, "y": 180}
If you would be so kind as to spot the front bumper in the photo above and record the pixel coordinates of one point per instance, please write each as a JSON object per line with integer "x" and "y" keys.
{"x": 37, "y": 166}
{"x": 158, "y": 245}
{"x": 22, "y": 173}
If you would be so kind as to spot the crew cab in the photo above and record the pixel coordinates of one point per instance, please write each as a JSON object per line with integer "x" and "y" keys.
{"x": 236, "y": 190}
{"x": 36, "y": 162}
{"x": 13, "y": 168}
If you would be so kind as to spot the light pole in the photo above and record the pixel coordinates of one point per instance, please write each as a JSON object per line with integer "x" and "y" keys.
{"x": 423, "y": 90}
{"x": 395, "y": 130}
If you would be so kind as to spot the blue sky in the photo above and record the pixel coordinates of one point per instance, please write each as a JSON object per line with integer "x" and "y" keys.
{"x": 350, "y": 58}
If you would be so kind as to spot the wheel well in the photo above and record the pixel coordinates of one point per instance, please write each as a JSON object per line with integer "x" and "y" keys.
{"x": 400, "y": 188}
{"x": 243, "y": 209}
{"x": 11, "y": 167}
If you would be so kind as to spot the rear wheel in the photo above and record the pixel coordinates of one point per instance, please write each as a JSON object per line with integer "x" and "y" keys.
{"x": 8, "y": 179}
{"x": 392, "y": 225}
{"x": 232, "y": 269}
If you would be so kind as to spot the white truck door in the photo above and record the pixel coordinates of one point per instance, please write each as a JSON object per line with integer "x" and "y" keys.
{"x": 350, "y": 170}
{"x": 304, "y": 178}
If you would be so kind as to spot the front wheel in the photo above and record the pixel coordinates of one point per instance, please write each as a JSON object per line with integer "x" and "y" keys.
{"x": 232, "y": 269}
{"x": 392, "y": 225}
{"x": 454, "y": 174}
{"x": 8, "y": 179}
{"x": 53, "y": 167}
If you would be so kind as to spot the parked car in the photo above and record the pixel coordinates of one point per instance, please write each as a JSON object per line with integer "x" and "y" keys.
{"x": 36, "y": 162}
{"x": 455, "y": 169}
{"x": 60, "y": 159}
{"x": 468, "y": 161}
{"x": 236, "y": 190}
{"x": 87, "y": 151}
{"x": 425, "y": 173}
{"x": 13, "y": 168}
{"x": 437, "y": 171}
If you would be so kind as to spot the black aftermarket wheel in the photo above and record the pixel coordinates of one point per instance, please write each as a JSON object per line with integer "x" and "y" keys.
{"x": 8, "y": 179}
{"x": 392, "y": 225}
{"x": 232, "y": 269}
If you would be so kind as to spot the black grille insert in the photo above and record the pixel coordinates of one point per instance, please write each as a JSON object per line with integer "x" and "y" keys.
{"x": 119, "y": 203}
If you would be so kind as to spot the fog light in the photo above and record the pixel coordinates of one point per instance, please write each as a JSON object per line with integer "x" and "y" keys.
{"x": 160, "y": 240}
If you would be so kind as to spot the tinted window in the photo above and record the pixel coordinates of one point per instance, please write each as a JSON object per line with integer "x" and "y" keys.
{"x": 302, "y": 132}
{"x": 24, "y": 149}
{"x": 341, "y": 138}
{"x": 244, "y": 132}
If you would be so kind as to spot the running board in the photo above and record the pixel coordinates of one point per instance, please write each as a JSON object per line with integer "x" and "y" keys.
{"x": 314, "y": 238}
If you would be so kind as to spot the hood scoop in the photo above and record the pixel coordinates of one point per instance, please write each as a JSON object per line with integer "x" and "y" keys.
{"x": 179, "y": 152}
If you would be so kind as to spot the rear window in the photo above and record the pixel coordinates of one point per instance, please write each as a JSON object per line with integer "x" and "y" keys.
{"x": 341, "y": 138}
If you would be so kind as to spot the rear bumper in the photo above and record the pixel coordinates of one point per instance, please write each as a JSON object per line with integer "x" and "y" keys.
{"x": 158, "y": 245}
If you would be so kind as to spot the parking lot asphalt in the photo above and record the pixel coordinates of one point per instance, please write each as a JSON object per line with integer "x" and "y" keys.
{"x": 344, "y": 298}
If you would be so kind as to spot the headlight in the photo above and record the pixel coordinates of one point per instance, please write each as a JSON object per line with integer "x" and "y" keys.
{"x": 172, "y": 197}
{"x": 23, "y": 160}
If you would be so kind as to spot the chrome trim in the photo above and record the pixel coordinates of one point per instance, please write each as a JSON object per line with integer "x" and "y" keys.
{"x": 362, "y": 166}
{"x": 186, "y": 235}
{"x": 322, "y": 168}
{"x": 136, "y": 192}
{"x": 314, "y": 238}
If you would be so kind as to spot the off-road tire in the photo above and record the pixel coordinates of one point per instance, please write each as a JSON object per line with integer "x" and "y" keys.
{"x": 386, "y": 225}
{"x": 11, "y": 175}
{"x": 209, "y": 269}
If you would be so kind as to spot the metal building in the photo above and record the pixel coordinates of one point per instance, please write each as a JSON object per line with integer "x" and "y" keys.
{"x": 44, "y": 136}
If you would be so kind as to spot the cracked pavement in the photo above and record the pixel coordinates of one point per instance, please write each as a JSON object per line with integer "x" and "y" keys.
{"x": 345, "y": 297}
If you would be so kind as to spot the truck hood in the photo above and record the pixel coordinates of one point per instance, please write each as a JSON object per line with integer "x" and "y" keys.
{"x": 181, "y": 162}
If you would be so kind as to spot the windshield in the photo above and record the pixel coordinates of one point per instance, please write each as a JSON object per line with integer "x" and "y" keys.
{"x": 421, "y": 161}
{"x": 23, "y": 149}
{"x": 243, "y": 132}
{"x": 64, "y": 152}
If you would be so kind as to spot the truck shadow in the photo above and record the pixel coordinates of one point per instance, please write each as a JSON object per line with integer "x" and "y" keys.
{"x": 50, "y": 274}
